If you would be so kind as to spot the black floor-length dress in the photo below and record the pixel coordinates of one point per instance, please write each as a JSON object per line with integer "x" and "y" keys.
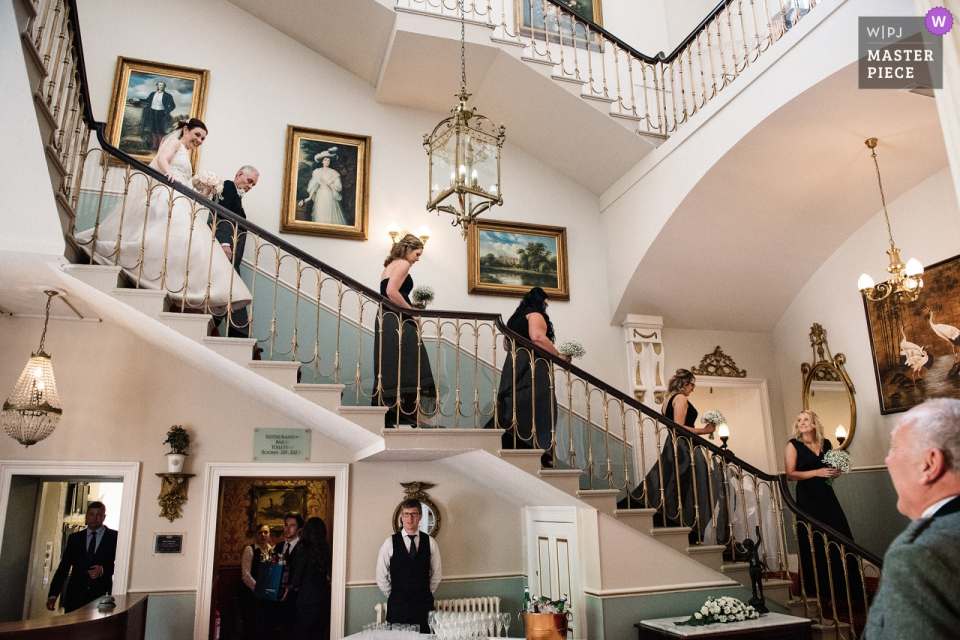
{"x": 817, "y": 498}
{"x": 397, "y": 358}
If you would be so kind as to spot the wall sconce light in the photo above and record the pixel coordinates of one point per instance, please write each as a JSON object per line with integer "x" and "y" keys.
{"x": 395, "y": 233}
{"x": 724, "y": 432}
{"x": 841, "y": 434}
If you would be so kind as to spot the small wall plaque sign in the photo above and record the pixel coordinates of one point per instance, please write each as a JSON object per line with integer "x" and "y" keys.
{"x": 168, "y": 543}
{"x": 281, "y": 445}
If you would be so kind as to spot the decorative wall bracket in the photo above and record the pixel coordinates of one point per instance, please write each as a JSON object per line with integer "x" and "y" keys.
{"x": 173, "y": 493}
{"x": 718, "y": 364}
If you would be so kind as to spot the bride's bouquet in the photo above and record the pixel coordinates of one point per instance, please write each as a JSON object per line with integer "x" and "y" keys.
{"x": 572, "y": 348}
{"x": 838, "y": 460}
{"x": 208, "y": 184}
{"x": 423, "y": 295}
{"x": 713, "y": 417}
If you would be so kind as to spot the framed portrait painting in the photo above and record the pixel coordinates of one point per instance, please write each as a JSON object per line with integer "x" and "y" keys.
{"x": 916, "y": 345}
{"x": 543, "y": 20}
{"x": 148, "y": 99}
{"x": 509, "y": 258}
{"x": 326, "y": 184}
{"x": 271, "y": 502}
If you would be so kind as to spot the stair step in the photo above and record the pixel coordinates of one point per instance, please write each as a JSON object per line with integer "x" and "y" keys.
{"x": 150, "y": 302}
{"x": 284, "y": 373}
{"x": 444, "y": 441}
{"x": 101, "y": 277}
{"x": 831, "y": 631}
{"x": 326, "y": 395}
{"x": 540, "y": 65}
{"x": 370, "y": 418}
{"x": 603, "y": 500}
{"x": 567, "y": 480}
{"x": 526, "y": 459}
{"x": 639, "y": 519}
{"x": 778, "y": 590}
{"x": 600, "y": 103}
{"x": 739, "y": 571}
{"x": 239, "y": 350}
{"x": 677, "y": 538}
{"x": 571, "y": 84}
{"x": 709, "y": 555}
{"x": 192, "y": 325}
{"x": 797, "y": 608}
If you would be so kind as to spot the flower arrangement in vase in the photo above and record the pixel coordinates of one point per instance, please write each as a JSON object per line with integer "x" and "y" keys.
{"x": 179, "y": 441}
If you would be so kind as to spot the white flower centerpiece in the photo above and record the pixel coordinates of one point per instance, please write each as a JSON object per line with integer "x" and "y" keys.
{"x": 838, "y": 460}
{"x": 423, "y": 295}
{"x": 713, "y": 417}
{"x": 723, "y": 609}
{"x": 208, "y": 184}
{"x": 572, "y": 348}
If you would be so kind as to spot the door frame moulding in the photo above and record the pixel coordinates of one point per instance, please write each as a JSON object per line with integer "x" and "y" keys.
{"x": 340, "y": 472}
{"x": 750, "y": 383}
{"x": 129, "y": 474}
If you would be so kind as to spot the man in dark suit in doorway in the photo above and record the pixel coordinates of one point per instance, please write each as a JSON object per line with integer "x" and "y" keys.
{"x": 233, "y": 238}
{"x": 88, "y": 558}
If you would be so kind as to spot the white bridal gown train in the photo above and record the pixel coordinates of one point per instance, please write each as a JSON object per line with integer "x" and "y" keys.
{"x": 179, "y": 251}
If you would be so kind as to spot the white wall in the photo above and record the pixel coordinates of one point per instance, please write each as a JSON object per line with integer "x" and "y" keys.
{"x": 926, "y": 225}
{"x": 261, "y": 81}
{"x": 641, "y": 24}
{"x": 683, "y": 17}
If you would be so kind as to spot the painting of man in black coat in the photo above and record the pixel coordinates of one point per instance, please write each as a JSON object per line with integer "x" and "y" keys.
{"x": 157, "y": 121}
{"x": 88, "y": 559}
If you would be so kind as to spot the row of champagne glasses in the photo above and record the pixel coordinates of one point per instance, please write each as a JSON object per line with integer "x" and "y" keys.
{"x": 387, "y": 631}
{"x": 456, "y": 625}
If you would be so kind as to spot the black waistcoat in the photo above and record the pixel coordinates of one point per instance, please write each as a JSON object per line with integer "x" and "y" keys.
{"x": 410, "y": 596}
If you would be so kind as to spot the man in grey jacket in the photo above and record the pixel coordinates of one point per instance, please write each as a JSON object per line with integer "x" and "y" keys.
{"x": 921, "y": 569}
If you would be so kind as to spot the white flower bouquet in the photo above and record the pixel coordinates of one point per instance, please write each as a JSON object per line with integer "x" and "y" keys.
{"x": 208, "y": 184}
{"x": 713, "y": 417}
{"x": 723, "y": 609}
{"x": 423, "y": 294}
{"x": 838, "y": 460}
{"x": 572, "y": 348}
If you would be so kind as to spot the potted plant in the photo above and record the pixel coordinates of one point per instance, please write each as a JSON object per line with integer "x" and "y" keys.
{"x": 179, "y": 440}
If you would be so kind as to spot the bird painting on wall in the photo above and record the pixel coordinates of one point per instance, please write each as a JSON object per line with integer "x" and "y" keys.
{"x": 915, "y": 357}
{"x": 946, "y": 332}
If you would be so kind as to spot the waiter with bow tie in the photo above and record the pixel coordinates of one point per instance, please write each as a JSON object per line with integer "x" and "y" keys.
{"x": 408, "y": 569}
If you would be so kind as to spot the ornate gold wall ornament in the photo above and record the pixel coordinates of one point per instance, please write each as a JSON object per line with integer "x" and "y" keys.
{"x": 639, "y": 395}
{"x": 658, "y": 381}
{"x": 828, "y": 368}
{"x": 659, "y": 396}
{"x": 718, "y": 364}
{"x": 431, "y": 514}
{"x": 639, "y": 381}
{"x": 638, "y": 347}
{"x": 173, "y": 493}
{"x": 657, "y": 348}
{"x": 637, "y": 334}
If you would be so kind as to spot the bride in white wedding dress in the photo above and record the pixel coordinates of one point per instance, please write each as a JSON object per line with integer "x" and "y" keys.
{"x": 168, "y": 244}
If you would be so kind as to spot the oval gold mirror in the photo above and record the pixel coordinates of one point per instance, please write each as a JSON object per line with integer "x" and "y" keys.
{"x": 828, "y": 391}
{"x": 430, "y": 523}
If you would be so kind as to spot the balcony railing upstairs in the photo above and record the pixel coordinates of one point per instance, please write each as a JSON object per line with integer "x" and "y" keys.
{"x": 434, "y": 369}
{"x": 659, "y": 92}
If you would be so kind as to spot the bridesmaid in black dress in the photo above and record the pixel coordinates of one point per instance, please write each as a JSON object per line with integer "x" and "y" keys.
{"x": 804, "y": 464}
{"x": 397, "y": 356}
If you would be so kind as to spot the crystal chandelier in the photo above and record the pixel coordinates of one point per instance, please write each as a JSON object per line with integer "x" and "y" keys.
{"x": 905, "y": 279}
{"x": 32, "y": 411}
{"x": 464, "y": 152}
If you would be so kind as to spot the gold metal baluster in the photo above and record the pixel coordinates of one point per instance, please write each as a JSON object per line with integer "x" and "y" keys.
{"x": 756, "y": 29}
{"x": 683, "y": 87}
{"x": 733, "y": 44}
{"x": 626, "y": 461}
{"x": 358, "y": 376}
{"x": 295, "y": 338}
{"x": 57, "y": 59}
{"x": 833, "y": 598}
{"x": 276, "y": 287}
{"x": 769, "y": 36}
{"x": 713, "y": 72}
{"x": 590, "y": 460}
{"x": 82, "y": 154}
{"x": 546, "y": 32}
{"x": 64, "y": 98}
{"x": 573, "y": 451}
{"x": 608, "y": 476}
{"x": 213, "y": 245}
{"x": 336, "y": 351}
{"x": 673, "y": 98}
{"x": 53, "y": 25}
{"x": 476, "y": 375}
{"x": 143, "y": 238}
{"x": 616, "y": 70}
{"x": 633, "y": 97}
{"x": 43, "y": 12}
{"x": 69, "y": 146}
{"x": 186, "y": 270}
{"x": 563, "y": 69}
{"x": 603, "y": 69}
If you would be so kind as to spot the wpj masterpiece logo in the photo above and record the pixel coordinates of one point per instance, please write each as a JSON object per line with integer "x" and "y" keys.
{"x": 901, "y": 52}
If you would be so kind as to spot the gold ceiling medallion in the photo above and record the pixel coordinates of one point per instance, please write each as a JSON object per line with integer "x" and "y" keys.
{"x": 718, "y": 364}
{"x": 431, "y": 514}
{"x": 828, "y": 390}
{"x": 905, "y": 279}
{"x": 464, "y": 157}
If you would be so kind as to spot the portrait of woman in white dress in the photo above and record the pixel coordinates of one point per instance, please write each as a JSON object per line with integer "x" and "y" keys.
{"x": 161, "y": 240}
{"x": 325, "y": 191}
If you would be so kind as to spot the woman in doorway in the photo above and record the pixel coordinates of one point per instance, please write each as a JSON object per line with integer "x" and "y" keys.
{"x": 311, "y": 580}
{"x": 400, "y": 358}
{"x": 250, "y": 608}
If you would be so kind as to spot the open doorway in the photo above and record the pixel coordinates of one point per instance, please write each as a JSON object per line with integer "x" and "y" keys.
{"x": 41, "y": 514}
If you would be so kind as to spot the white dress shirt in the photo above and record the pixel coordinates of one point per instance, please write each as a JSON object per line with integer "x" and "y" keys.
{"x": 386, "y": 554}
{"x": 157, "y": 104}
{"x": 932, "y": 509}
{"x": 246, "y": 563}
{"x": 98, "y": 534}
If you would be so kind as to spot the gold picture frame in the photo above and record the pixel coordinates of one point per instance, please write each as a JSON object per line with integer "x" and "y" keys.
{"x": 503, "y": 259}
{"x": 326, "y": 175}
{"x": 132, "y": 126}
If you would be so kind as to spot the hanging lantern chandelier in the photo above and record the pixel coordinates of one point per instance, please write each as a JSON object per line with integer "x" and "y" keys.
{"x": 32, "y": 411}
{"x": 905, "y": 280}
{"x": 464, "y": 152}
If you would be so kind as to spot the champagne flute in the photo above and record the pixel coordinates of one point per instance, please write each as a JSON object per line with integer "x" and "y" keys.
{"x": 506, "y": 625}
{"x": 498, "y": 619}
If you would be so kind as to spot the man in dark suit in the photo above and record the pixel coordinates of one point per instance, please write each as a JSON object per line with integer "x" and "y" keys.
{"x": 291, "y": 553}
{"x": 233, "y": 239}
{"x": 156, "y": 115}
{"x": 88, "y": 558}
{"x": 921, "y": 569}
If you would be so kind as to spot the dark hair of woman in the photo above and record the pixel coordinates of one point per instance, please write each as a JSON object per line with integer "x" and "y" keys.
{"x": 534, "y": 301}
{"x": 314, "y": 541}
{"x": 400, "y": 248}
{"x": 680, "y": 379}
{"x": 190, "y": 124}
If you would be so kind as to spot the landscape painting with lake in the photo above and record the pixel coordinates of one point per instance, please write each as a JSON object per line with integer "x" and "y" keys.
{"x": 508, "y": 259}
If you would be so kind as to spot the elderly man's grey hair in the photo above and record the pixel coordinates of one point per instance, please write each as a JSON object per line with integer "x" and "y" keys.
{"x": 249, "y": 168}
{"x": 936, "y": 425}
